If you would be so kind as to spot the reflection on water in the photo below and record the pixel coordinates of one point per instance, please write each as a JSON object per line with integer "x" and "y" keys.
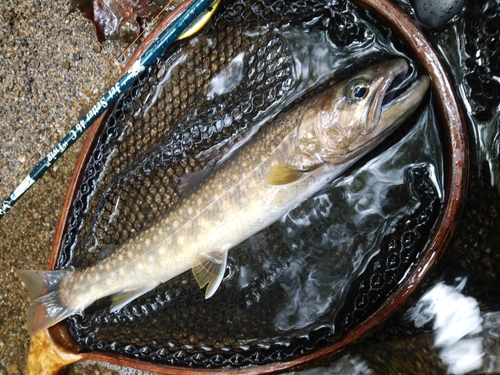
{"x": 357, "y": 208}
{"x": 288, "y": 283}
{"x": 466, "y": 322}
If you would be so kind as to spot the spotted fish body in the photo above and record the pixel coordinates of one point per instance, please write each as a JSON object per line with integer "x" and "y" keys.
{"x": 285, "y": 163}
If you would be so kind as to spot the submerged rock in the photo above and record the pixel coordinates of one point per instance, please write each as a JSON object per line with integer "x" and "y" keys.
{"x": 434, "y": 14}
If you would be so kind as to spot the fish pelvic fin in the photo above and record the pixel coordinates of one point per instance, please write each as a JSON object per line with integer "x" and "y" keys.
{"x": 283, "y": 174}
{"x": 208, "y": 269}
{"x": 46, "y": 308}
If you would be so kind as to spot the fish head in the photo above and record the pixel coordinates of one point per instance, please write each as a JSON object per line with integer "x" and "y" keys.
{"x": 356, "y": 114}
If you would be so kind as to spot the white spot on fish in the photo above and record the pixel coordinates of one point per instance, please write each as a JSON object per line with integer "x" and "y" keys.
{"x": 147, "y": 242}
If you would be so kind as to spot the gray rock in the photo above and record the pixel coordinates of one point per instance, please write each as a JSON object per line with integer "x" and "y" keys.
{"x": 434, "y": 14}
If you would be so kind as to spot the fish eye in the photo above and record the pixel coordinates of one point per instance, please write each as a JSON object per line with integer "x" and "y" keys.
{"x": 357, "y": 90}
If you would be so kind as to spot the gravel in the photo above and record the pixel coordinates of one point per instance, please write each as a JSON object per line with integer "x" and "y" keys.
{"x": 51, "y": 72}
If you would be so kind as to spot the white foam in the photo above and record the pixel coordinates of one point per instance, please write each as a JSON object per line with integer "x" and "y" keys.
{"x": 456, "y": 317}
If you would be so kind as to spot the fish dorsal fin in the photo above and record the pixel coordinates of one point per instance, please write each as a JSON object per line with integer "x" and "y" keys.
{"x": 209, "y": 269}
{"x": 189, "y": 181}
{"x": 105, "y": 251}
{"x": 283, "y": 174}
{"x": 121, "y": 299}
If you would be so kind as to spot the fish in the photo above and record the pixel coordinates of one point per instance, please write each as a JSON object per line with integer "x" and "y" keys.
{"x": 294, "y": 156}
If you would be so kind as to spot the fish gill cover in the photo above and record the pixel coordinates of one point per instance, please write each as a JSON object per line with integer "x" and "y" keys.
{"x": 304, "y": 281}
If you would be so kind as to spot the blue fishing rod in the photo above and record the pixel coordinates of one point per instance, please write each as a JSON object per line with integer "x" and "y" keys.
{"x": 196, "y": 13}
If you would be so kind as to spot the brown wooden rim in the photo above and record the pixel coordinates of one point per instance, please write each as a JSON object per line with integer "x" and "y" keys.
{"x": 457, "y": 167}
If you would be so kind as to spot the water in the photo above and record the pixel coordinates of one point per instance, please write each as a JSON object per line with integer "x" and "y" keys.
{"x": 467, "y": 338}
{"x": 291, "y": 285}
{"x": 462, "y": 308}
{"x": 352, "y": 217}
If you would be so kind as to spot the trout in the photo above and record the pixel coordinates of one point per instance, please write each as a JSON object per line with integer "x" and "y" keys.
{"x": 287, "y": 161}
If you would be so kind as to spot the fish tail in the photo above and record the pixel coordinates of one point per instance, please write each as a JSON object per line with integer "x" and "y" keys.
{"x": 46, "y": 308}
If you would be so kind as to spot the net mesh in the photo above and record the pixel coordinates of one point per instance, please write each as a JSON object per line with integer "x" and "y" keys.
{"x": 163, "y": 128}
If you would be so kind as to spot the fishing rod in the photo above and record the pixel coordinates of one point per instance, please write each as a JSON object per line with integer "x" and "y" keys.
{"x": 182, "y": 27}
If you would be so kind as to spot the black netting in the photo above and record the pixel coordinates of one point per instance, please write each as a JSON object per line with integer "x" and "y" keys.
{"x": 482, "y": 64}
{"x": 399, "y": 250}
{"x": 167, "y": 125}
{"x": 174, "y": 324}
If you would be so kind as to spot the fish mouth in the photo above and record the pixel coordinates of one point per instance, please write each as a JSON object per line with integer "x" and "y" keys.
{"x": 398, "y": 95}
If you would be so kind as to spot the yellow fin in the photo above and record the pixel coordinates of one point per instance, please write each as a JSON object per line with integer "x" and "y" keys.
{"x": 283, "y": 174}
{"x": 201, "y": 21}
{"x": 208, "y": 269}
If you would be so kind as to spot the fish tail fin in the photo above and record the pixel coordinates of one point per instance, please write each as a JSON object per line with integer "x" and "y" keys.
{"x": 46, "y": 308}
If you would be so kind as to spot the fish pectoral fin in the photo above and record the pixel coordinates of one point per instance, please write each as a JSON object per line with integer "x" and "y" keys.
{"x": 209, "y": 269}
{"x": 121, "y": 299}
{"x": 283, "y": 174}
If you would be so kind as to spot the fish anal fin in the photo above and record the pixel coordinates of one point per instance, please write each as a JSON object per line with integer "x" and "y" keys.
{"x": 283, "y": 174}
{"x": 208, "y": 270}
{"x": 121, "y": 299}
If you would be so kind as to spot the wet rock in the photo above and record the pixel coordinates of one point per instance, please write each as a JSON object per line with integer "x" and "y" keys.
{"x": 119, "y": 19}
{"x": 434, "y": 14}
